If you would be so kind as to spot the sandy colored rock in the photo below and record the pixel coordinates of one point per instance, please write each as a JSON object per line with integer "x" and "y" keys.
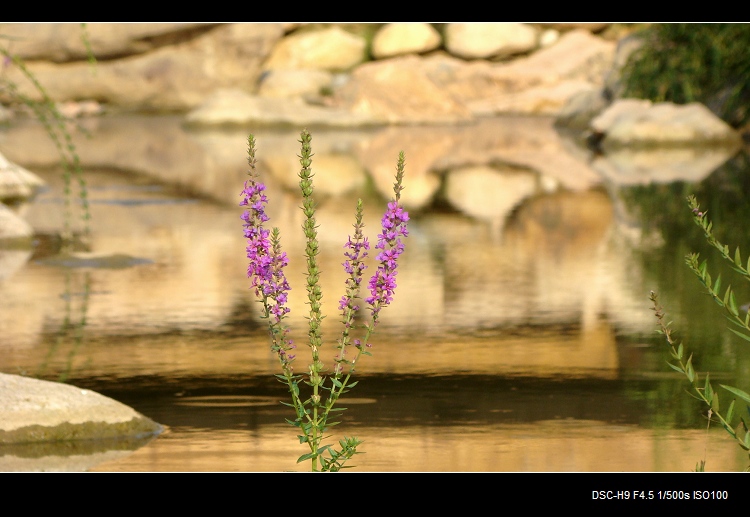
{"x": 396, "y": 39}
{"x": 17, "y": 182}
{"x": 331, "y": 49}
{"x": 39, "y": 411}
{"x": 640, "y": 123}
{"x": 490, "y": 39}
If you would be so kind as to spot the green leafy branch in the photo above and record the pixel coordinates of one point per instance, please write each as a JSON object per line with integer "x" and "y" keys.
{"x": 728, "y": 300}
{"x": 703, "y": 390}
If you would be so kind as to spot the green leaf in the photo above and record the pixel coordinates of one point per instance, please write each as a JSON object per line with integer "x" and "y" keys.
{"x": 689, "y": 369}
{"x": 743, "y": 336}
{"x": 306, "y": 457}
{"x": 676, "y": 367}
{"x": 679, "y": 351}
{"x": 708, "y": 392}
{"x": 730, "y": 413}
{"x": 737, "y": 257}
{"x": 737, "y": 392}
{"x": 717, "y": 284}
{"x": 733, "y": 304}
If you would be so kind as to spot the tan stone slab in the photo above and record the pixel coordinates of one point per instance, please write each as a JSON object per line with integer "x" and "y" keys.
{"x": 36, "y": 411}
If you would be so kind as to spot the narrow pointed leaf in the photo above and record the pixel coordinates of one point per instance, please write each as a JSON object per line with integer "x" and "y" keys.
{"x": 737, "y": 392}
{"x": 675, "y": 367}
{"x": 305, "y": 457}
{"x": 743, "y": 336}
{"x": 689, "y": 369}
{"x": 730, "y": 412}
{"x": 733, "y": 304}
{"x": 708, "y": 392}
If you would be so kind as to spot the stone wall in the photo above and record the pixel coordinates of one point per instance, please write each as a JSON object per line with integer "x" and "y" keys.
{"x": 401, "y": 72}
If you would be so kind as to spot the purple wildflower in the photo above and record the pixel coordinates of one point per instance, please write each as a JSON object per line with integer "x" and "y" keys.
{"x": 266, "y": 263}
{"x": 383, "y": 283}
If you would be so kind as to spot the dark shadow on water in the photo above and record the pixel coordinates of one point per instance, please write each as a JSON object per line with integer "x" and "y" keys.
{"x": 388, "y": 401}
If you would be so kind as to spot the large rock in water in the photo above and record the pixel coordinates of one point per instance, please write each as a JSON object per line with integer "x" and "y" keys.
{"x": 41, "y": 411}
{"x": 636, "y": 123}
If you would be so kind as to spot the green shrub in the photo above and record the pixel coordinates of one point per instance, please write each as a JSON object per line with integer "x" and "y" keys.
{"x": 693, "y": 62}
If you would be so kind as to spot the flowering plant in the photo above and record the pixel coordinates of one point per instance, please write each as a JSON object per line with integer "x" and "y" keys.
{"x": 313, "y": 413}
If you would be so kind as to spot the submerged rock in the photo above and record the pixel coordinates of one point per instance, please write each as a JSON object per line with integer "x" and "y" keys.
{"x": 92, "y": 260}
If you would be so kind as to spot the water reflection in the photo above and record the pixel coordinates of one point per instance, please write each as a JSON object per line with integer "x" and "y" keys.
{"x": 72, "y": 331}
{"x": 520, "y": 339}
{"x": 426, "y": 423}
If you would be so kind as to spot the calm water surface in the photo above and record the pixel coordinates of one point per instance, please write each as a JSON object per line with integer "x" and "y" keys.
{"x": 521, "y": 344}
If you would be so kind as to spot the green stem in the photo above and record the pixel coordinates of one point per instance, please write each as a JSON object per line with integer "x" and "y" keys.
{"x": 687, "y": 367}
{"x": 314, "y": 293}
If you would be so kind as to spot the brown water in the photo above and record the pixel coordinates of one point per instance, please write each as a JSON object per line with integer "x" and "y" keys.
{"x": 524, "y": 345}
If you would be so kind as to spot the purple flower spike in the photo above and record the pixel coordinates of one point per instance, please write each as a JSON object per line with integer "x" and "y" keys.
{"x": 266, "y": 260}
{"x": 383, "y": 283}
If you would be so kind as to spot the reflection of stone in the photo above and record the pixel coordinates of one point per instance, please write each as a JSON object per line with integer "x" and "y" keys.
{"x": 12, "y": 260}
{"x": 335, "y": 174}
{"x": 489, "y": 193}
{"x": 662, "y": 165}
{"x": 95, "y": 260}
{"x": 213, "y": 162}
{"x": 12, "y": 226}
{"x": 62, "y": 457}
{"x": 554, "y": 266}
